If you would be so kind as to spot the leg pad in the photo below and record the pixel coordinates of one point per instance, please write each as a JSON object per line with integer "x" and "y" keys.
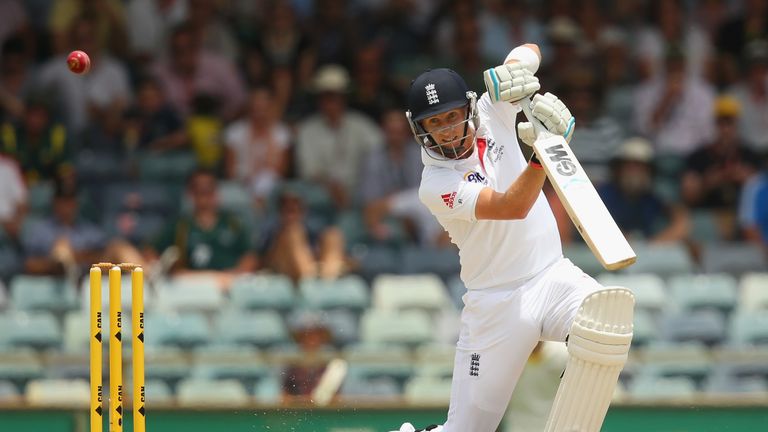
{"x": 598, "y": 346}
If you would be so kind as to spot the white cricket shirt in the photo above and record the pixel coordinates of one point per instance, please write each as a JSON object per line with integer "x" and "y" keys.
{"x": 492, "y": 252}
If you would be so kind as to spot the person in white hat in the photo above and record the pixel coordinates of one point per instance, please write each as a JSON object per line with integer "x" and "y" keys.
{"x": 332, "y": 144}
{"x": 632, "y": 201}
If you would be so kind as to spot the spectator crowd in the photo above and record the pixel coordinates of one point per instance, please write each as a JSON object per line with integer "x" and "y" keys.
{"x": 270, "y": 134}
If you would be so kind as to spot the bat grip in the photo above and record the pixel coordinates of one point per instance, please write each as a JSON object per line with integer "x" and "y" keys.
{"x": 541, "y": 131}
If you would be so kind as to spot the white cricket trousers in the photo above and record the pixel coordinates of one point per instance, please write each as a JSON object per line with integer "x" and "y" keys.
{"x": 499, "y": 328}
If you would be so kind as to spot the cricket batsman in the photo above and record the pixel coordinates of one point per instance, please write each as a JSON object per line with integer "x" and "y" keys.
{"x": 521, "y": 289}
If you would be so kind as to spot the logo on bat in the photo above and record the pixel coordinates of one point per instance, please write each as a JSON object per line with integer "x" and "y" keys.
{"x": 565, "y": 165}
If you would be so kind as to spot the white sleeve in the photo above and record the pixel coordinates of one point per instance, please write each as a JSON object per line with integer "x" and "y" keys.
{"x": 448, "y": 195}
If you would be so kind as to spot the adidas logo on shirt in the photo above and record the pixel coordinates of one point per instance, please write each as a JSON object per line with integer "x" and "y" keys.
{"x": 448, "y": 199}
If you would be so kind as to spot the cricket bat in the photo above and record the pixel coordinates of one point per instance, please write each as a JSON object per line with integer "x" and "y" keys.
{"x": 330, "y": 382}
{"x": 579, "y": 197}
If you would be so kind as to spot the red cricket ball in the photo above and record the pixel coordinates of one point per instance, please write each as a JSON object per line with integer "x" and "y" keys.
{"x": 79, "y": 62}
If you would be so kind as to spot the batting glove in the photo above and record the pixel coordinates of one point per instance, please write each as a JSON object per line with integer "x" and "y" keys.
{"x": 510, "y": 82}
{"x": 553, "y": 114}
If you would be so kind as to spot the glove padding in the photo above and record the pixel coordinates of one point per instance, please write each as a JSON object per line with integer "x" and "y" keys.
{"x": 510, "y": 82}
{"x": 553, "y": 114}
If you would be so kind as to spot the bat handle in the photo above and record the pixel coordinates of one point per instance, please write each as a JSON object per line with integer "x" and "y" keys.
{"x": 541, "y": 131}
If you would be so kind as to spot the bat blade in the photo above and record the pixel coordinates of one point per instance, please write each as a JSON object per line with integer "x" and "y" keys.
{"x": 583, "y": 203}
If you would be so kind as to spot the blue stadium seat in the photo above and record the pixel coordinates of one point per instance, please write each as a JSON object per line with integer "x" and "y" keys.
{"x": 343, "y": 326}
{"x": 209, "y": 392}
{"x": 372, "y": 361}
{"x": 645, "y": 328}
{"x": 262, "y": 292}
{"x": 665, "y": 359}
{"x": 435, "y": 353}
{"x": 42, "y": 293}
{"x": 662, "y": 259}
{"x": 173, "y": 167}
{"x": 653, "y": 388}
{"x": 347, "y": 292}
{"x": 377, "y": 352}
{"x": 165, "y": 363}
{"x": 268, "y": 390}
{"x": 186, "y": 330}
{"x": 428, "y": 390}
{"x": 356, "y": 388}
{"x": 704, "y": 226}
{"x": 351, "y": 223}
{"x": 57, "y": 392}
{"x": 434, "y": 370}
{"x": 376, "y": 260}
{"x": 68, "y": 366}
{"x": 707, "y": 327}
{"x": 241, "y": 363}
{"x": 33, "y": 329}
{"x": 734, "y": 258}
{"x": 411, "y": 327}
{"x": 706, "y": 291}
{"x": 157, "y": 392}
{"x": 190, "y": 293}
{"x": 724, "y": 381}
{"x": 260, "y": 328}
{"x": 754, "y": 294}
{"x": 20, "y": 365}
{"x": 750, "y": 327}
{"x": 397, "y": 372}
{"x": 421, "y": 291}
{"x": 95, "y": 166}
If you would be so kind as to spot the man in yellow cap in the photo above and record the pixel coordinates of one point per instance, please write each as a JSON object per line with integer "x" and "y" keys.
{"x": 715, "y": 173}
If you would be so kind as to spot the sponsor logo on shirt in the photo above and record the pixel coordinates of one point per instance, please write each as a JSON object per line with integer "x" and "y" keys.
{"x": 475, "y": 177}
{"x": 494, "y": 150}
{"x": 490, "y": 148}
{"x": 448, "y": 199}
